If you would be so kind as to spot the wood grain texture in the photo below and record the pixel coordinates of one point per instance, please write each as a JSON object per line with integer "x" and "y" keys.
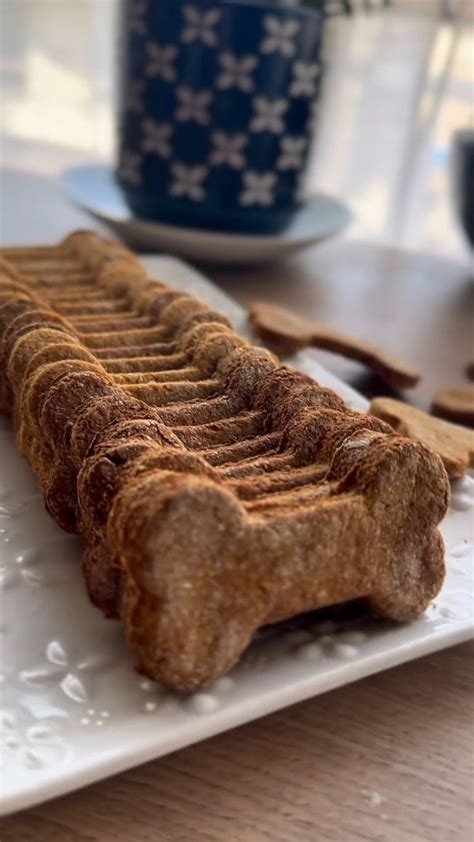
{"x": 388, "y": 759}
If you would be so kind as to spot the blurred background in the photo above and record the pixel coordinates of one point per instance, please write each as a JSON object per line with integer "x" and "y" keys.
{"x": 399, "y": 83}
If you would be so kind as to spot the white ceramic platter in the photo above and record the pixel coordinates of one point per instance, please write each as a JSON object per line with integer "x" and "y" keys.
{"x": 94, "y": 189}
{"x": 73, "y": 710}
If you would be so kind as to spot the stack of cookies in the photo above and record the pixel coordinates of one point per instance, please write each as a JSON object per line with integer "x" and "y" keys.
{"x": 216, "y": 491}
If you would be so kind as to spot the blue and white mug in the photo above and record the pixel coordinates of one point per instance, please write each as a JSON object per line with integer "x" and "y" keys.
{"x": 217, "y": 110}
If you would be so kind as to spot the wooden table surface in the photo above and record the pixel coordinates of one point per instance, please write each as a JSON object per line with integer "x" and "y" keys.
{"x": 388, "y": 759}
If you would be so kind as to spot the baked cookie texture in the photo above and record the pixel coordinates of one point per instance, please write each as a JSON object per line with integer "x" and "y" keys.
{"x": 216, "y": 491}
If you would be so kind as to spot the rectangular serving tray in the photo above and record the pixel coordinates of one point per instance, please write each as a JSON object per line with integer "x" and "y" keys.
{"x": 72, "y": 708}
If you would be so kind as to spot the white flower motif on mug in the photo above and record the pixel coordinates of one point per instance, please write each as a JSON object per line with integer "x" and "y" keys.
{"x": 161, "y": 60}
{"x": 135, "y": 13}
{"x": 258, "y": 189}
{"x": 228, "y": 149}
{"x": 156, "y": 138}
{"x": 200, "y": 26}
{"x": 236, "y": 72}
{"x": 130, "y": 167}
{"x": 268, "y": 115}
{"x": 292, "y": 153}
{"x": 134, "y": 95}
{"x": 193, "y": 106}
{"x": 280, "y": 36}
{"x": 188, "y": 181}
{"x": 305, "y": 79}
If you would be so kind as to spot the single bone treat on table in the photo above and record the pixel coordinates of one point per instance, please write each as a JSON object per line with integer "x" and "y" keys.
{"x": 215, "y": 490}
{"x": 291, "y": 333}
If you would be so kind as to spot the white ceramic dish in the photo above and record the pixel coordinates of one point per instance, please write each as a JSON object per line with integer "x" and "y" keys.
{"x": 72, "y": 708}
{"x": 94, "y": 189}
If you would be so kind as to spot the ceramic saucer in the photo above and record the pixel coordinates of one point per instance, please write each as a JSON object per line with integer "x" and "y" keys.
{"x": 94, "y": 189}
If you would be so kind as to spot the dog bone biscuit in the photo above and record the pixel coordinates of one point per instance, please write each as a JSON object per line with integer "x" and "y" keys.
{"x": 456, "y": 404}
{"x": 215, "y": 490}
{"x": 454, "y": 444}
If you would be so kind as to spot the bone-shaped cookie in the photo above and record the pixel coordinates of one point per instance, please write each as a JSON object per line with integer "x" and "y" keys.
{"x": 199, "y": 574}
{"x": 215, "y": 490}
